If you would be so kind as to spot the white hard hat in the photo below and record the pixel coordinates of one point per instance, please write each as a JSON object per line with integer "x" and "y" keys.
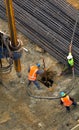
{"x": 69, "y": 57}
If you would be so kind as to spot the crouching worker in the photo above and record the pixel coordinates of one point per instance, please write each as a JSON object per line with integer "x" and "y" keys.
{"x": 33, "y": 71}
{"x": 67, "y": 101}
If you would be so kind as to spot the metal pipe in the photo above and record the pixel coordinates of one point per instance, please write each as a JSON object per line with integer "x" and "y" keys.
{"x": 13, "y": 34}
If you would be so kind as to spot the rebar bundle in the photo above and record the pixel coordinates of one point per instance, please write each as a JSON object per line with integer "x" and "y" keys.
{"x": 48, "y": 23}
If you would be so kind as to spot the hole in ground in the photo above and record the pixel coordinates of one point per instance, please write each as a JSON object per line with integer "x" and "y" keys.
{"x": 47, "y": 82}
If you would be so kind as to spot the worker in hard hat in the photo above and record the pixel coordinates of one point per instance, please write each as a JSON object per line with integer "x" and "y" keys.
{"x": 70, "y": 57}
{"x": 67, "y": 101}
{"x": 33, "y": 71}
{"x": 70, "y": 68}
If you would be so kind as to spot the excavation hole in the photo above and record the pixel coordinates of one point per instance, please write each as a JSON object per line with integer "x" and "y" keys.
{"x": 47, "y": 82}
{"x": 48, "y": 77}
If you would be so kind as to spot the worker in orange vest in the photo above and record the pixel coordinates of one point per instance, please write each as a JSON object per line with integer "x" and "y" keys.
{"x": 33, "y": 71}
{"x": 67, "y": 101}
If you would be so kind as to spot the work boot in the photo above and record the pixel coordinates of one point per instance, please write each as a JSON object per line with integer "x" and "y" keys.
{"x": 68, "y": 111}
{"x": 39, "y": 88}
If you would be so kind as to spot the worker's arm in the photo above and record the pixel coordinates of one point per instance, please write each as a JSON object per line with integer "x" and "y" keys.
{"x": 40, "y": 72}
{"x": 61, "y": 102}
{"x": 72, "y": 99}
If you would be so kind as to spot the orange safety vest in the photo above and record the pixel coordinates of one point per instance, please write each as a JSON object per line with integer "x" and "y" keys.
{"x": 32, "y": 74}
{"x": 66, "y": 101}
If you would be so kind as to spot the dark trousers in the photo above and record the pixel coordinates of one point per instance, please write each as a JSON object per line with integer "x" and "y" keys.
{"x": 68, "y": 107}
{"x": 35, "y": 82}
{"x": 67, "y": 70}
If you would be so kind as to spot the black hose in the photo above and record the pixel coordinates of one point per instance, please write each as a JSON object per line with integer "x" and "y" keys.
{"x": 49, "y": 98}
{"x": 40, "y": 97}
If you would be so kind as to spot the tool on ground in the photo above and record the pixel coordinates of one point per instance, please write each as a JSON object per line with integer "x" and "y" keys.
{"x": 25, "y": 49}
{"x": 44, "y": 70}
{"x": 44, "y": 63}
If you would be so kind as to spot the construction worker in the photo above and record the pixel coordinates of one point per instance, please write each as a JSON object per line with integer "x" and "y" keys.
{"x": 67, "y": 101}
{"x": 33, "y": 71}
{"x": 70, "y": 68}
{"x": 70, "y": 58}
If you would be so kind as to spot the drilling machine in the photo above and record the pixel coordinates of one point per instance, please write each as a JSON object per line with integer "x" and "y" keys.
{"x": 10, "y": 46}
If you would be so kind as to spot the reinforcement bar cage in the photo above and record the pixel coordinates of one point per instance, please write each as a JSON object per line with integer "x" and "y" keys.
{"x": 48, "y": 23}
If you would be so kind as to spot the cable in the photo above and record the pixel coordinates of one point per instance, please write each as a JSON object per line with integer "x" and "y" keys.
{"x": 49, "y": 98}
{"x": 73, "y": 37}
{"x": 40, "y": 97}
{"x": 74, "y": 28}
